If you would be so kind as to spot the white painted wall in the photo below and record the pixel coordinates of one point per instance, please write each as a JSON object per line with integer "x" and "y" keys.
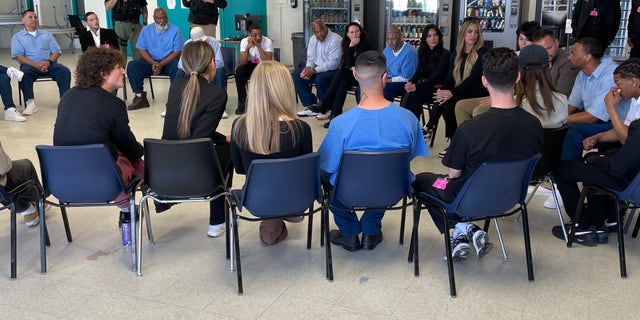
{"x": 282, "y": 20}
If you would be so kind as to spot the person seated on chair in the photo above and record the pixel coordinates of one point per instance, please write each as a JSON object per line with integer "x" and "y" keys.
{"x": 270, "y": 130}
{"x": 563, "y": 75}
{"x": 432, "y": 71}
{"x": 374, "y": 124}
{"x": 463, "y": 81}
{"x": 194, "y": 110}
{"x": 13, "y": 174}
{"x": 197, "y": 34}
{"x": 89, "y": 113}
{"x": 10, "y": 111}
{"x": 159, "y": 45}
{"x": 535, "y": 92}
{"x": 508, "y": 133}
{"x": 38, "y": 53}
{"x": 96, "y": 36}
{"x": 627, "y": 79}
{"x": 353, "y": 44}
{"x": 323, "y": 59}
{"x": 253, "y": 49}
{"x": 402, "y": 61}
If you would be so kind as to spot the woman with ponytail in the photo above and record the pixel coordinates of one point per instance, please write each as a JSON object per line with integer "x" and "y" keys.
{"x": 194, "y": 109}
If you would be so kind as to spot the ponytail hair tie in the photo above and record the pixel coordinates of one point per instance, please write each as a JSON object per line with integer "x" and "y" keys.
{"x": 194, "y": 73}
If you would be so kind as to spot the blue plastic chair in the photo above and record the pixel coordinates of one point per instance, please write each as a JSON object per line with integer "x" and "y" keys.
{"x": 178, "y": 171}
{"x": 82, "y": 176}
{"x": 492, "y": 191}
{"x": 7, "y": 197}
{"x": 278, "y": 188}
{"x": 371, "y": 180}
{"x": 628, "y": 198}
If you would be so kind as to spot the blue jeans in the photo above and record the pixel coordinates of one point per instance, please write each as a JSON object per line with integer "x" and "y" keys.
{"x": 138, "y": 69}
{"x": 393, "y": 89}
{"x": 349, "y": 225}
{"x": 5, "y": 89}
{"x": 322, "y": 80}
{"x": 218, "y": 80}
{"x": 58, "y": 72}
{"x": 572, "y": 146}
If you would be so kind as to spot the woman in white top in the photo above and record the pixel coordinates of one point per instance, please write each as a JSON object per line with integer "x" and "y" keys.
{"x": 535, "y": 92}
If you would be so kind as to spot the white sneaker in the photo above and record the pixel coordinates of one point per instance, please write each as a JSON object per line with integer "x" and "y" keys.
{"x": 12, "y": 114}
{"x": 324, "y": 116}
{"x": 307, "y": 113}
{"x": 30, "y": 109}
{"x": 216, "y": 230}
{"x": 163, "y": 113}
{"x": 15, "y": 73}
{"x": 225, "y": 115}
{"x": 550, "y": 203}
{"x": 542, "y": 191}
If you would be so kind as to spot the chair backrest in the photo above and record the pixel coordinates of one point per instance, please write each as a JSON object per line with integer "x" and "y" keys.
{"x": 632, "y": 192}
{"x": 182, "y": 168}
{"x": 75, "y": 22}
{"x": 550, "y": 150}
{"x": 79, "y": 174}
{"x": 229, "y": 58}
{"x": 494, "y": 188}
{"x": 5, "y": 197}
{"x": 277, "y": 187}
{"x": 372, "y": 179}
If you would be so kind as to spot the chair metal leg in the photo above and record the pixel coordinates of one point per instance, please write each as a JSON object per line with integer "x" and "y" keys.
{"x": 310, "y": 227}
{"x": 403, "y": 219}
{"x": 65, "y": 221}
{"x": 232, "y": 235}
{"x": 44, "y": 236}
{"x": 328, "y": 258}
{"x": 144, "y": 212}
{"x": 14, "y": 245}
{"x": 554, "y": 193}
{"x": 504, "y": 252}
{"x": 527, "y": 242}
{"x": 621, "y": 253}
{"x": 416, "y": 206}
{"x": 237, "y": 254}
{"x": 627, "y": 224}
{"x": 414, "y": 240}
{"x": 147, "y": 217}
{"x": 583, "y": 194}
{"x": 132, "y": 231}
{"x": 153, "y": 96}
{"x": 447, "y": 247}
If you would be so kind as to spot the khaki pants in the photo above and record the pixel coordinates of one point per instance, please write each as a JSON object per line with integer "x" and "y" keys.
{"x": 209, "y": 29}
{"x": 128, "y": 31}
{"x": 468, "y": 108}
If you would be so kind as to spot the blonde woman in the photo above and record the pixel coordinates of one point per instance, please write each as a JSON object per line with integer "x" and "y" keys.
{"x": 464, "y": 79}
{"x": 194, "y": 109}
{"x": 270, "y": 129}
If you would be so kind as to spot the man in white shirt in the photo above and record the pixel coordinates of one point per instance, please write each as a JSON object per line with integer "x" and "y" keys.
{"x": 323, "y": 59}
{"x": 253, "y": 49}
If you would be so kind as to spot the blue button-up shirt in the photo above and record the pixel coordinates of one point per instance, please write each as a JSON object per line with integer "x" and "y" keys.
{"x": 36, "y": 49}
{"x": 160, "y": 45}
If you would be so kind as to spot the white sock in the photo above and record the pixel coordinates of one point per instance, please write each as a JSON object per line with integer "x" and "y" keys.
{"x": 138, "y": 94}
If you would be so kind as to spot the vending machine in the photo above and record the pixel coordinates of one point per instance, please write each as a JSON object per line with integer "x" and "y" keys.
{"x": 336, "y": 14}
{"x": 411, "y": 16}
{"x": 499, "y": 20}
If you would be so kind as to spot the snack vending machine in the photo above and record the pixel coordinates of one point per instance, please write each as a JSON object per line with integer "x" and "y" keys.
{"x": 499, "y": 20}
{"x": 336, "y": 14}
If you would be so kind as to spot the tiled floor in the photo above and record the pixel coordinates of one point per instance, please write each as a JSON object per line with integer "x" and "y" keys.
{"x": 186, "y": 275}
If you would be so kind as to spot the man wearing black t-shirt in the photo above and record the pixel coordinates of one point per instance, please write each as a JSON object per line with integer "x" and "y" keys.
{"x": 126, "y": 22}
{"x": 506, "y": 132}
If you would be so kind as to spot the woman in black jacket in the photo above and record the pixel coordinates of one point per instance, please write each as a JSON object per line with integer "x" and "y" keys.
{"x": 433, "y": 67}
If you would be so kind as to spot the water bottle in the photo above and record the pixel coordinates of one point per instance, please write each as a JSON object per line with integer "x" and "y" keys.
{"x": 125, "y": 227}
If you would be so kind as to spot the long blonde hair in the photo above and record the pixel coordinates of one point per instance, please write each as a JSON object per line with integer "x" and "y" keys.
{"x": 270, "y": 97}
{"x": 472, "y": 55}
{"x": 196, "y": 59}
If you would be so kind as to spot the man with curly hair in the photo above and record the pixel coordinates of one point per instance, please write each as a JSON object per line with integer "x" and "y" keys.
{"x": 90, "y": 113}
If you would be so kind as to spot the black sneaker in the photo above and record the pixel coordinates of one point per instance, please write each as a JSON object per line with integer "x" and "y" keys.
{"x": 586, "y": 237}
{"x": 602, "y": 234}
{"x": 479, "y": 239}
{"x": 350, "y": 243}
{"x": 459, "y": 248}
{"x": 139, "y": 102}
{"x": 443, "y": 153}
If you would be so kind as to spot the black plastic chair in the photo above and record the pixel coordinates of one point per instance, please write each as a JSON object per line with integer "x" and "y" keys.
{"x": 178, "y": 171}
{"x": 482, "y": 197}
{"x": 8, "y": 196}
{"x": 74, "y": 21}
{"x": 279, "y": 188}
{"x": 371, "y": 180}
{"x": 229, "y": 59}
{"x": 550, "y": 150}
{"x": 628, "y": 198}
{"x": 82, "y": 176}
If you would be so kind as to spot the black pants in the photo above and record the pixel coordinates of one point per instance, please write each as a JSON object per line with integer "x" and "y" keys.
{"x": 567, "y": 176}
{"x": 217, "y": 209}
{"x": 413, "y": 102}
{"x": 336, "y": 94}
{"x": 243, "y": 74}
{"x": 424, "y": 183}
{"x": 21, "y": 171}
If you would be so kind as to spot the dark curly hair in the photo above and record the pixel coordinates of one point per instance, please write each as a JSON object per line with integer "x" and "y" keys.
{"x": 96, "y": 63}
